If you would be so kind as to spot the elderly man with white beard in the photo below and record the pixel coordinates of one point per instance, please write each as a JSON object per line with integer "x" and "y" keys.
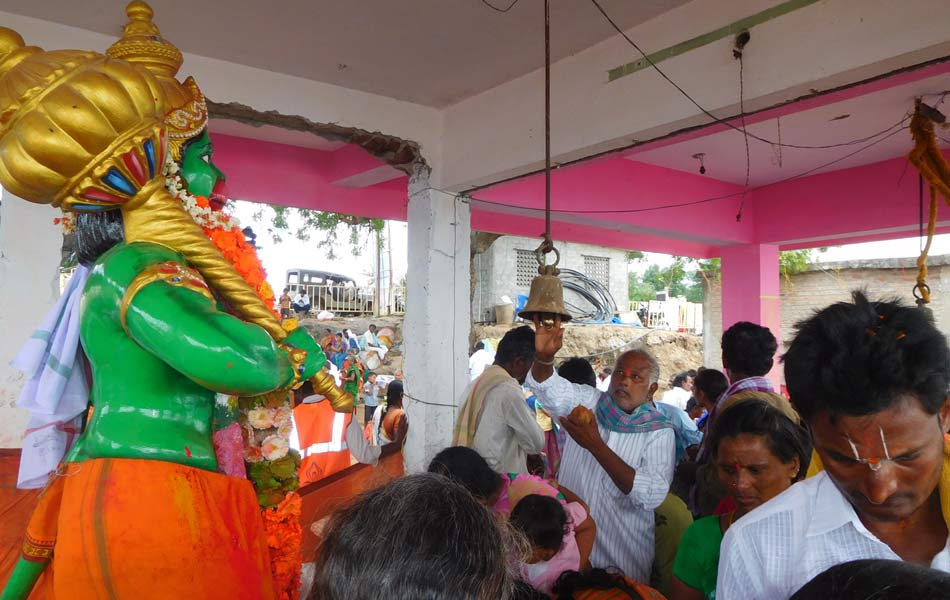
{"x": 620, "y": 453}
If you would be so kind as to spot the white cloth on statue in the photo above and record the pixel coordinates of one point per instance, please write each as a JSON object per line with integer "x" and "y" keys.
{"x": 677, "y": 397}
{"x": 56, "y": 392}
{"x": 626, "y": 523}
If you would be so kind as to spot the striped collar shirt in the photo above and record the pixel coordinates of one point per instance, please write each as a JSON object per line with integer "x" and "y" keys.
{"x": 777, "y": 548}
{"x": 625, "y": 522}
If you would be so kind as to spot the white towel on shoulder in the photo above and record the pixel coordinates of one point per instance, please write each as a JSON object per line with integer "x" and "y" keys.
{"x": 56, "y": 392}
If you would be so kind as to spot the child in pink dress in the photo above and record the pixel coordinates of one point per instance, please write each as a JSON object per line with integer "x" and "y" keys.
{"x": 549, "y": 526}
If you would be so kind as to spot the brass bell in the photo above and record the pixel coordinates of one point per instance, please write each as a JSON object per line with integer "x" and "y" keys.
{"x": 546, "y": 299}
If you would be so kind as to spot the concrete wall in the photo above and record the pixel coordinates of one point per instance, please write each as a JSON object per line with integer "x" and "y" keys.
{"x": 30, "y": 247}
{"x": 827, "y": 283}
{"x": 495, "y": 272}
{"x": 495, "y": 134}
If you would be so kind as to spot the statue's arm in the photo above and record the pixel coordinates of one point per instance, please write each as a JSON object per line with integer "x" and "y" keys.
{"x": 180, "y": 323}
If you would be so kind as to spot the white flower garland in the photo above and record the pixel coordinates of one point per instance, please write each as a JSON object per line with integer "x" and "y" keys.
{"x": 205, "y": 217}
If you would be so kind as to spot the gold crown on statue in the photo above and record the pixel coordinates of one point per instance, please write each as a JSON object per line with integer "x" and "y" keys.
{"x": 78, "y": 130}
{"x": 142, "y": 44}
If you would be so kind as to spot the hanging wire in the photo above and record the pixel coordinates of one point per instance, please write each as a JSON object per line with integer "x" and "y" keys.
{"x": 725, "y": 122}
{"x": 501, "y": 10}
{"x": 745, "y": 134}
{"x": 622, "y": 211}
{"x": 547, "y": 124}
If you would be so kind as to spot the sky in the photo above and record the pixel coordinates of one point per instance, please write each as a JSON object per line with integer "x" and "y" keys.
{"x": 292, "y": 253}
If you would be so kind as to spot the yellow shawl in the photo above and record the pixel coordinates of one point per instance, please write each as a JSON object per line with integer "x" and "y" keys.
{"x": 471, "y": 412}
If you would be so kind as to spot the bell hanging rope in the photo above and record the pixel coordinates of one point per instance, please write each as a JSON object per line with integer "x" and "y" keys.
{"x": 546, "y": 298}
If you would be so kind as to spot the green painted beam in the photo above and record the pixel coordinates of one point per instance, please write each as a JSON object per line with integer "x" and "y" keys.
{"x": 697, "y": 42}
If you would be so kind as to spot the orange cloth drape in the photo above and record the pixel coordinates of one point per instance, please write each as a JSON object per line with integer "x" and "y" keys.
{"x": 321, "y": 433}
{"x": 131, "y": 528}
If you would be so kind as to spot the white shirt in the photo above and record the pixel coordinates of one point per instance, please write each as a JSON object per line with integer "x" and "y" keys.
{"x": 777, "y": 548}
{"x": 677, "y": 397}
{"x": 625, "y": 522}
{"x": 478, "y": 362}
{"x": 603, "y": 384}
{"x": 507, "y": 431}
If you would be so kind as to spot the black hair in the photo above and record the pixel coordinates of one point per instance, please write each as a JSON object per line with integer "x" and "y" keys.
{"x": 607, "y": 371}
{"x": 876, "y": 578}
{"x": 857, "y": 358}
{"x": 541, "y": 519}
{"x": 394, "y": 392}
{"x": 524, "y": 591}
{"x": 692, "y": 373}
{"x": 571, "y": 582}
{"x": 468, "y": 468}
{"x": 786, "y": 439}
{"x": 517, "y": 343}
{"x": 691, "y": 404}
{"x": 578, "y": 370}
{"x": 479, "y": 346}
{"x": 748, "y": 349}
{"x": 679, "y": 379}
{"x": 711, "y": 382}
{"x": 446, "y": 546}
{"x": 96, "y": 233}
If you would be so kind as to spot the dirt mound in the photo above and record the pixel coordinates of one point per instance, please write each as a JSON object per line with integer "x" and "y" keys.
{"x": 600, "y": 344}
{"x": 359, "y": 325}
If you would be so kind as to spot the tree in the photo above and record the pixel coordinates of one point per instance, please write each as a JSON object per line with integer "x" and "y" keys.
{"x": 638, "y": 290}
{"x": 303, "y": 223}
{"x": 790, "y": 262}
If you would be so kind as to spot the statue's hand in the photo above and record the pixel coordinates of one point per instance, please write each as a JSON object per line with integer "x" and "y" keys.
{"x": 301, "y": 338}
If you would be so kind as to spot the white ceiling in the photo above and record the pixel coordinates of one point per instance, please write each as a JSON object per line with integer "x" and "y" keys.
{"x": 432, "y": 52}
{"x": 725, "y": 157}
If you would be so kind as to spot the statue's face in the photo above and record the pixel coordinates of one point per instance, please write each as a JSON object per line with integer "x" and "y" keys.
{"x": 202, "y": 177}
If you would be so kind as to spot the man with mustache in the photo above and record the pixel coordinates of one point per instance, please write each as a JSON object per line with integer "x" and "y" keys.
{"x": 619, "y": 456}
{"x": 870, "y": 380}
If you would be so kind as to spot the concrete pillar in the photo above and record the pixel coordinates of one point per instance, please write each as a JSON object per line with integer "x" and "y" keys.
{"x": 438, "y": 317}
{"x": 30, "y": 247}
{"x": 750, "y": 291}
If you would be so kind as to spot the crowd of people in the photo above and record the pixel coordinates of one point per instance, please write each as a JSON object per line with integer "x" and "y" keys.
{"x": 838, "y": 489}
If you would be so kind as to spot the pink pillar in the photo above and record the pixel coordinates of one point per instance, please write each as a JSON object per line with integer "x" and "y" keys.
{"x": 750, "y": 291}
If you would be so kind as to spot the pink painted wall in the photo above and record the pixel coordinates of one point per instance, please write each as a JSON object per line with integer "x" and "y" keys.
{"x": 751, "y": 290}
{"x": 614, "y": 183}
{"x": 865, "y": 203}
{"x": 302, "y": 177}
{"x": 878, "y": 201}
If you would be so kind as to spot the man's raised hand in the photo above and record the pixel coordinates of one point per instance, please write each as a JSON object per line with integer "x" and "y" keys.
{"x": 548, "y": 337}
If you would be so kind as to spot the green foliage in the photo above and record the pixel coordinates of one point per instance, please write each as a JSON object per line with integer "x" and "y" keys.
{"x": 635, "y": 256}
{"x": 639, "y": 291}
{"x": 325, "y": 227}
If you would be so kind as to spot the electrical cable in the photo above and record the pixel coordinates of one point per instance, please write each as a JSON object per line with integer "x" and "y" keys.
{"x": 501, "y": 10}
{"x": 603, "y": 307}
{"x": 704, "y": 200}
{"x": 745, "y": 135}
{"x": 723, "y": 121}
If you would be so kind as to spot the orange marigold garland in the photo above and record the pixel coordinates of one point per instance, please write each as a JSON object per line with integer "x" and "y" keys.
{"x": 224, "y": 231}
{"x": 284, "y": 539}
